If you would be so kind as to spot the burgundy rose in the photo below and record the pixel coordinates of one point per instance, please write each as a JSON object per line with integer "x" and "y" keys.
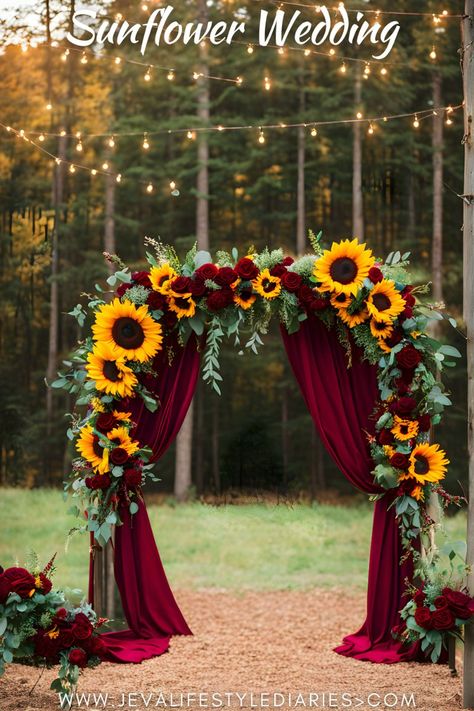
{"x": 461, "y": 605}
{"x": 169, "y": 320}
{"x": 406, "y": 313}
{"x": 398, "y": 630}
{"x": 395, "y": 338}
{"x": 424, "y": 423}
{"x": 318, "y": 304}
{"x": 423, "y": 618}
{"x": 45, "y": 584}
{"x": 443, "y": 619}
{"x": 207, "y": 271}
{"x": 405, "y": 405}
{"x": 375, "y": 275}
{"x": 198, "y": 287}
{"x": 156, "y": 301}
{"x": 181, "y": 285}
{"x": 119, "y": 456}
{"x": 291, "y": 281}
{"x": 98, "y": 481}
{"x": 78, "y": 657}
{"x": 305, "y": 294}
{"x": 66, "y": 638}
{"x": 122, "y": 289}
{"x": 46, "y": 646}
{"x": 4, "y": 589}
{"x": 385, "y": 437}
{"x": 278, "y": 270}
{"x": 408, "y": 357}
{"x": 409, "y": 300}
{"x": 133, "y": 477}
{"x": 225, "y": 276}
{"x": 218, "y": 300}
{"x": 20, "y": 580}
{"x": 60, "y": 614}
{"x": 440, "y": 602}
{"x": 401, "y": 386}
{"x": 105, "y": 422}
{"x": 95, "y": 646}
{"x": 419, "y": 597}
{"x": 246, "y": 269}
{"x": 399, "y": 460}
{"x": 82, "y": 627}
{"x": 142, "y": 278}
{"x": 287, "y": 261}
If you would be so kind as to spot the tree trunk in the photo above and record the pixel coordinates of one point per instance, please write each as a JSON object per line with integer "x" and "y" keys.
{"x": 109, "y": 227}
{"x": 468, "y": 76}
{"x": 357, "y": 198}
{"x": 437, "y": 145}
{"x": 184, "y": 454}
{"x": 300, "y": 193}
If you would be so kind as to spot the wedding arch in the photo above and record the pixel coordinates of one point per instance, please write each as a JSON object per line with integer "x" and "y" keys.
{"x": 355, "y": 333}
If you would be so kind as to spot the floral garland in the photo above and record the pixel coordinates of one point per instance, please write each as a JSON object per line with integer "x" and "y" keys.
{"x": 39, "y": 627}
{"x": 369, "y": 302}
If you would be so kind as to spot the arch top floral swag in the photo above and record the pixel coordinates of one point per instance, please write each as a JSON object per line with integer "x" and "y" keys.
{"x": 370, "y": 303}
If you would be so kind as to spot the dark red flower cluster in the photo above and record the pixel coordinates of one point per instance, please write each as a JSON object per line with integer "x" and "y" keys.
{"x": 309, "y": 300}
{"x": 98, "y": 481}
{"x": 449, "y": 606}
{"x": 67, "y": 632}
{"x": 23, "y": 583}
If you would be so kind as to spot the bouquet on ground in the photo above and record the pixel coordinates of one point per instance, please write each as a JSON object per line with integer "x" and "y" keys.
{"x": 39, "y": 627}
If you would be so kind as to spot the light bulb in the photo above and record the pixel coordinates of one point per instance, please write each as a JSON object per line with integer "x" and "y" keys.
{"x": 191, "y": 135}
{"x": 118, "y": 60}
{"x": 72, "y": 169}
{"x": 314, "y": 131}
{"x": 281, "y": 50}
{"x": 433, "y": 53}
{"x": 448, "y": 121}
{"x": 220, "y": 128}
{"x": 261, "y": 138}
{"x": 149, "y": 188}
{"x": 332, "y": 52}
{"x": 62, "y": 133}
{"x": 307, "y": 52}
{"x": 383, "y": 71}
{"x": 170, "y": 75}
{"x": 41, "y": 137}
{"x": 267, "y": 84}
{"x": 84, "y": 58}
{"x": 172, "y": 185}
{"x": 145, "y": 143}
{"x": 79, "y": 147}
{"x": 147, "y": 75}
{"x": 343, "y": 68}
{"x": 416, "y": 123}
{"x": 93, "y": 171}
{"x": 118, "y": 178}
{"x": 49, "y": 106}
{"x": 111, "y": 142}
{"x": 250, "y": 49}
{"x": 58, "y": 161}
{"x": 239, "y": 81}
{"x": 105, "y": 166}
{"x": 367, "y": 69}
{"x": 359, "y": 115}
{"x": 370, "y": 130}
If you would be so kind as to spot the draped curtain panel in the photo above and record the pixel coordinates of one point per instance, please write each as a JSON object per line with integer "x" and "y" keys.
{"x": 150, "y": 609}
{"x": 341, "y": 401}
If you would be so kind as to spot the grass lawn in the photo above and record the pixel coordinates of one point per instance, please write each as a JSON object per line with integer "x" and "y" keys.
{"x": 254, "y": 546}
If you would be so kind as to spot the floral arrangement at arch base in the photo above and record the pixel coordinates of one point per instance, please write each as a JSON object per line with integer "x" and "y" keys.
{"x": 38, "y": 626}
{"x": 371, "y": 303}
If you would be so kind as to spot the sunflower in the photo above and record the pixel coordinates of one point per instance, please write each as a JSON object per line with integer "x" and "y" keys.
{"x": 183, "y": 305}
{"x": 428, "y": 463}
{"x": 90, "y": 449}
{"x": 267, "y": 285}
{"x": 383, "y": 345}
{"x": 110, "y": 372}
{"x": 129, "y": 331}
{"x": 161, "y": 278}
{"x": 97, "y": 404}
{"x": 384, "y": 302}
{"x": 244, "y": 298}
{"x": 418, "y": 493}
{"x": 404, "y": 429}
{"x": 121, "y": 438}
{"x": 356, "y": 317}
{"x": 344, "y": 267}
{"x": 341, "y": 300}
{"x": 388, "y": 451}
{"x": 380, "y": 329}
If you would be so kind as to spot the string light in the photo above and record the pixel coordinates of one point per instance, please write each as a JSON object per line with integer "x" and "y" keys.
{"x": 267, "y": 83}
{"x": 147, "y": 75}
{"x": 170, "y": 75}
{"x": 261, "y": 137}
{"x": 191, "y": 135}
{"x": 332, "y": 51}
{"x": 359, "y": 115}
{"x": 416, "y": 123}
{"x": 433, "y": 53}
{"x": 307, "y": 52}
{"x": 84, "y": 59}
{"x": 72, "y": 168}
{"x": 41, "y": 137}
{"x": 149, "y": 188}
{"x": 93, "y": 171}
{"x": 111, "y": 142}
{"x": 314, "y": 131}
{"x": 49, "y": 106}
{"x": 370, "y": 130}
{"x": 118, "y": 178}
{"x": 118, "y": 60}
{"x": 383, "y": 71}
{"x": 281, "y": 50}
{"x": 172, "y": 185}
{"x": 79, "y": 147}
{"x": 65, "y": 55}
{"x": 105, "y": 165}
{"x": 145, "y": 143}
{"x": 343, "y": 68}
{"x": 250, "y": 49}
{"x": 239, "y": 81}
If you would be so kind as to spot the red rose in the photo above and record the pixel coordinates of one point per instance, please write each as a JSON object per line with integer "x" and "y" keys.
{"x": 169, "y": 320}
{"x": 404, "y": 405}
{"x": 395, "y": 338}
{"x": 409, "y": 300}
{"x": 246, "y": 269}
{"x": 60, "y": 614}
{"x": 156, "y": 301}
{"x": 198, "y": 287}
{"x": 423, "y": 618}
{"x": 95, "y": 646}
{"x": 402, "y": 387}
{"x": 461, "y": 605}
{"x": 218, "y": 300}
{"x": 133, "y": 477}
{"x": 142, "y": 278}
{"x": 291, "y": 281}
{"x": 406, "y": 313}
{"x": 424, "y": 423}
{"x": 4, "y": 588}
{"x": 78, "y": 657}
{"x": 98, "y": 481}
{"x": 375, "y": 275}
{"x": 181, "y": 285}
{"x": 20, "y": 580}
{"x": 419, "y": 597}
{"x": 66, "y": 638}
{"x": 225, "y": 276}
{"x": 45, "y": 584}
{"x": 207, "y": 271}
{"x": 122, "y": 289}
{"x": 440, "y": 602}
{"x": 318, "y": 304}
{"x": 46, "y": 647}
{"x": 443, "y": 619}
{"x": 119, "y": 456}
{"x": 399, "y": 461}
{"x": 408, "y": 357}
{"x": 105, "y": 422}
{"x": 278, "y": 270}
{"x": 305, "y": 294}
{"x": 82, "y": 628}
{"x": 385, "y": 437}
{"x": 287, "y": 261}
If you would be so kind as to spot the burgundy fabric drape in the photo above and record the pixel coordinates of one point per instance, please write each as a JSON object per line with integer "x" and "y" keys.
{"x": 148, "y": 603}
{"x": 341, "y": 400}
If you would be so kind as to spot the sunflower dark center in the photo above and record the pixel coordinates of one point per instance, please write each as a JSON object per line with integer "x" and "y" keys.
{"x": 110, "y": 370}
{"x": 344, "y": 270}
{"x": 379, "y": 326}
{"x": 181, "y": 303}
{"x": 128, "y": 333}
{"x": 341, "y": 298}
{"x": 116, "y": 440}
{"x": 381, "y": 302}
{"x": 163, "y": 280}
{"x": 422, "y": 465}
{"x": 268, "y": 286}
{"x": 98, "y": 450}
{"x": 404, "y": 429}
{"x": 245, "y": 295}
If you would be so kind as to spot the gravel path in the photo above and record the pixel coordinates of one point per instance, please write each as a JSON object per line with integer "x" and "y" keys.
{"x": 254, "y": 642}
